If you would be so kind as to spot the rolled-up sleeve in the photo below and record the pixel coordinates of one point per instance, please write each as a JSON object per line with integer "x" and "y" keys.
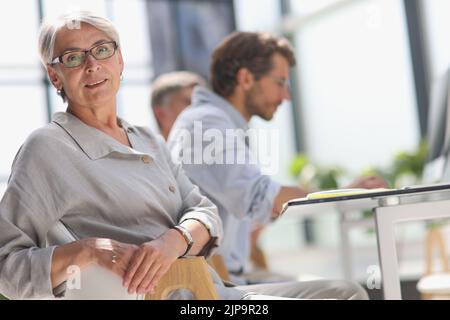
{"x": 26, "y": 211}
{"x": 195, "y": 205}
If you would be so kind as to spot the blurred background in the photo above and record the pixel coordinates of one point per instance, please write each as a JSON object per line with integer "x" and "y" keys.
{"x": 363, "y": 97}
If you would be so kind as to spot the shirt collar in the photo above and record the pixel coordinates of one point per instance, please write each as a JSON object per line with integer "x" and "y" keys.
{"x": 95, "y": 143}
{"x": 204, "y": 95}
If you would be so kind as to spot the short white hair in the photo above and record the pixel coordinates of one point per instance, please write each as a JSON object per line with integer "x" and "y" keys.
{"x": 72, "y": 20}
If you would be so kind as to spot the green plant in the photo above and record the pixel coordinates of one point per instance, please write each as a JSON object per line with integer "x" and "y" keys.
{"x": 314, "y": 177}
{"x": 406, "y": 169}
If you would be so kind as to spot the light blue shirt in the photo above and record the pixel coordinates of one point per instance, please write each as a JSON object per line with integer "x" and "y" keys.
{"x": 241, "y": 192}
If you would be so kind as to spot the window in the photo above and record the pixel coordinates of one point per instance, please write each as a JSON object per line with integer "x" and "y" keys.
{"x": 356, "y": 84}
{"x": 22, "y": 88}
{"x": 357, "y": 98}
{"x": 437, "y": 29}
{"x": 23, "y": 112}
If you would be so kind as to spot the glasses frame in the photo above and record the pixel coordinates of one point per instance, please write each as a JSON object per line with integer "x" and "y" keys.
{"x": 86, "y": 52}
{"x": 282, "y": 82}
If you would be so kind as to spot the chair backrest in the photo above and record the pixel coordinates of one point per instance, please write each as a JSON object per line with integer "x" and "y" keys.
{"x": 259, "y": 259}
{"x": 218, "y": 264}
{"x": 189, "y": 273}
{"x": 434, "y": 240}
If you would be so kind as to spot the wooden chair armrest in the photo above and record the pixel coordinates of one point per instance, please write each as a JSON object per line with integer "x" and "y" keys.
{"x": 189, "y": 273}
{"x": 218, "y": 264}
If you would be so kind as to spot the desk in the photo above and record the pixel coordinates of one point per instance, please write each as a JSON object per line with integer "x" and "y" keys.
{"x": 390, "y": 207}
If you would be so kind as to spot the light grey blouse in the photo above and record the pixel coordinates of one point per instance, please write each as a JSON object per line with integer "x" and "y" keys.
{"x": 97, "y": 187}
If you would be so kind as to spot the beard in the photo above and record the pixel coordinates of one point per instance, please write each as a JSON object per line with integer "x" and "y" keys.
{"x": 255, "y": 106}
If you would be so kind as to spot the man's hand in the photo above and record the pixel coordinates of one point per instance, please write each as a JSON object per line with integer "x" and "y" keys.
{"x": 152, "y": 260}
{"x": 371, "y": 182}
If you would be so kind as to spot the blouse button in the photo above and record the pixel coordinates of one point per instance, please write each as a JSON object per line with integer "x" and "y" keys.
{"x": 172, "y": 189}
{"x": 145, "y": 159}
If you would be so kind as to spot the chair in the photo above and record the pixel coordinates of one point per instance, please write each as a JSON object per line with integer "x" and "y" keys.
{"x": 435, "y": 285}
{"x": 219, "y": 266}
{"x": 258, "y": 258}
{"x": 98, "y": 283}
{"x": 186, "y": 273}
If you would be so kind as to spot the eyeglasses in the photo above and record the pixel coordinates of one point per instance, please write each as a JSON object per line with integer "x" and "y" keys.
{"x": 282, "y": 82}
{"x": 76, "y": 58}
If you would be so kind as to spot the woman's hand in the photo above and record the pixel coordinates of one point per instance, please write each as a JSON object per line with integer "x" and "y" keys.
{"x": 152, "y": 260}
{"x": 110, "y": 254}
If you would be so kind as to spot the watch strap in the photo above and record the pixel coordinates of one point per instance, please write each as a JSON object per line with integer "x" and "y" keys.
{"x": 187, "y": 237}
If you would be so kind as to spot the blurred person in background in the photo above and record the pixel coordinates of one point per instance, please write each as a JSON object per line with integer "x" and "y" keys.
{"x": 171, "y": 94}
{"x": 249, "y": 76}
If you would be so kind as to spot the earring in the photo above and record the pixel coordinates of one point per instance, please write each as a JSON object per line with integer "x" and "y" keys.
{"x": 59, "y": 91}
{"x": 121, "y": 77}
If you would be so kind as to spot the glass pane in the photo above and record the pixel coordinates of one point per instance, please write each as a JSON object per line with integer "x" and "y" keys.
{"x": 56, "y": 101}
{"x": 18, "y": 29}
{"x": 194, "y": 40}
{"x": 135, "y": 36}
{"x": 437, "y": 22}
{"x": 249, "y": 19}
{"x": 306, "y": 7}
{"x": 23, "y": 111}
{"x": 54, "y": 8}
{"x": 134, "y": 106}
{"x": 20, "y": 75}
{"x": 356, "y": 84}
{"x": 275, "y": 157}
{"x": 3, "y": 186}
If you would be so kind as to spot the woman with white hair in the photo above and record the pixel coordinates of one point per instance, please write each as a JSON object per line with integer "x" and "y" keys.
{"x": 111, "y": 184}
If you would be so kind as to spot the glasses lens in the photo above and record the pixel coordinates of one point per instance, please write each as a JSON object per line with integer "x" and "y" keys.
{"x": 103, "y": 51}
{"x": 73, "y": 59}
{"x": 282, "y": 82}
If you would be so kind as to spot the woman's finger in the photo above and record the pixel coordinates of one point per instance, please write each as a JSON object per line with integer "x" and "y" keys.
{"x": 148, "y": 277}
{"x": 133, "y": 266}
{"x": 146, "y": 265}
{"x": 159, "y": 274}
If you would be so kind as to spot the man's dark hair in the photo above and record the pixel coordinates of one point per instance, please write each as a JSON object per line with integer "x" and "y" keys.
{"x": 250, "y": 50}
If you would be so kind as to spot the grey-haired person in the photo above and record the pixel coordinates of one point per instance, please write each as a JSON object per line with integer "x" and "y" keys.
{"x": 170, "y": 94}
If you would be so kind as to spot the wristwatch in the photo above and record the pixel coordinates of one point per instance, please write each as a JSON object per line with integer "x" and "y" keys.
{"x": 187, "y": 237}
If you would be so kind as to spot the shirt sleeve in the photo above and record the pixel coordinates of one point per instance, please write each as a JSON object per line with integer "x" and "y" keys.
{"x": 238, "y": 186}
{"x": 195, "y": 205}
{"x": 27, "y": 209}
